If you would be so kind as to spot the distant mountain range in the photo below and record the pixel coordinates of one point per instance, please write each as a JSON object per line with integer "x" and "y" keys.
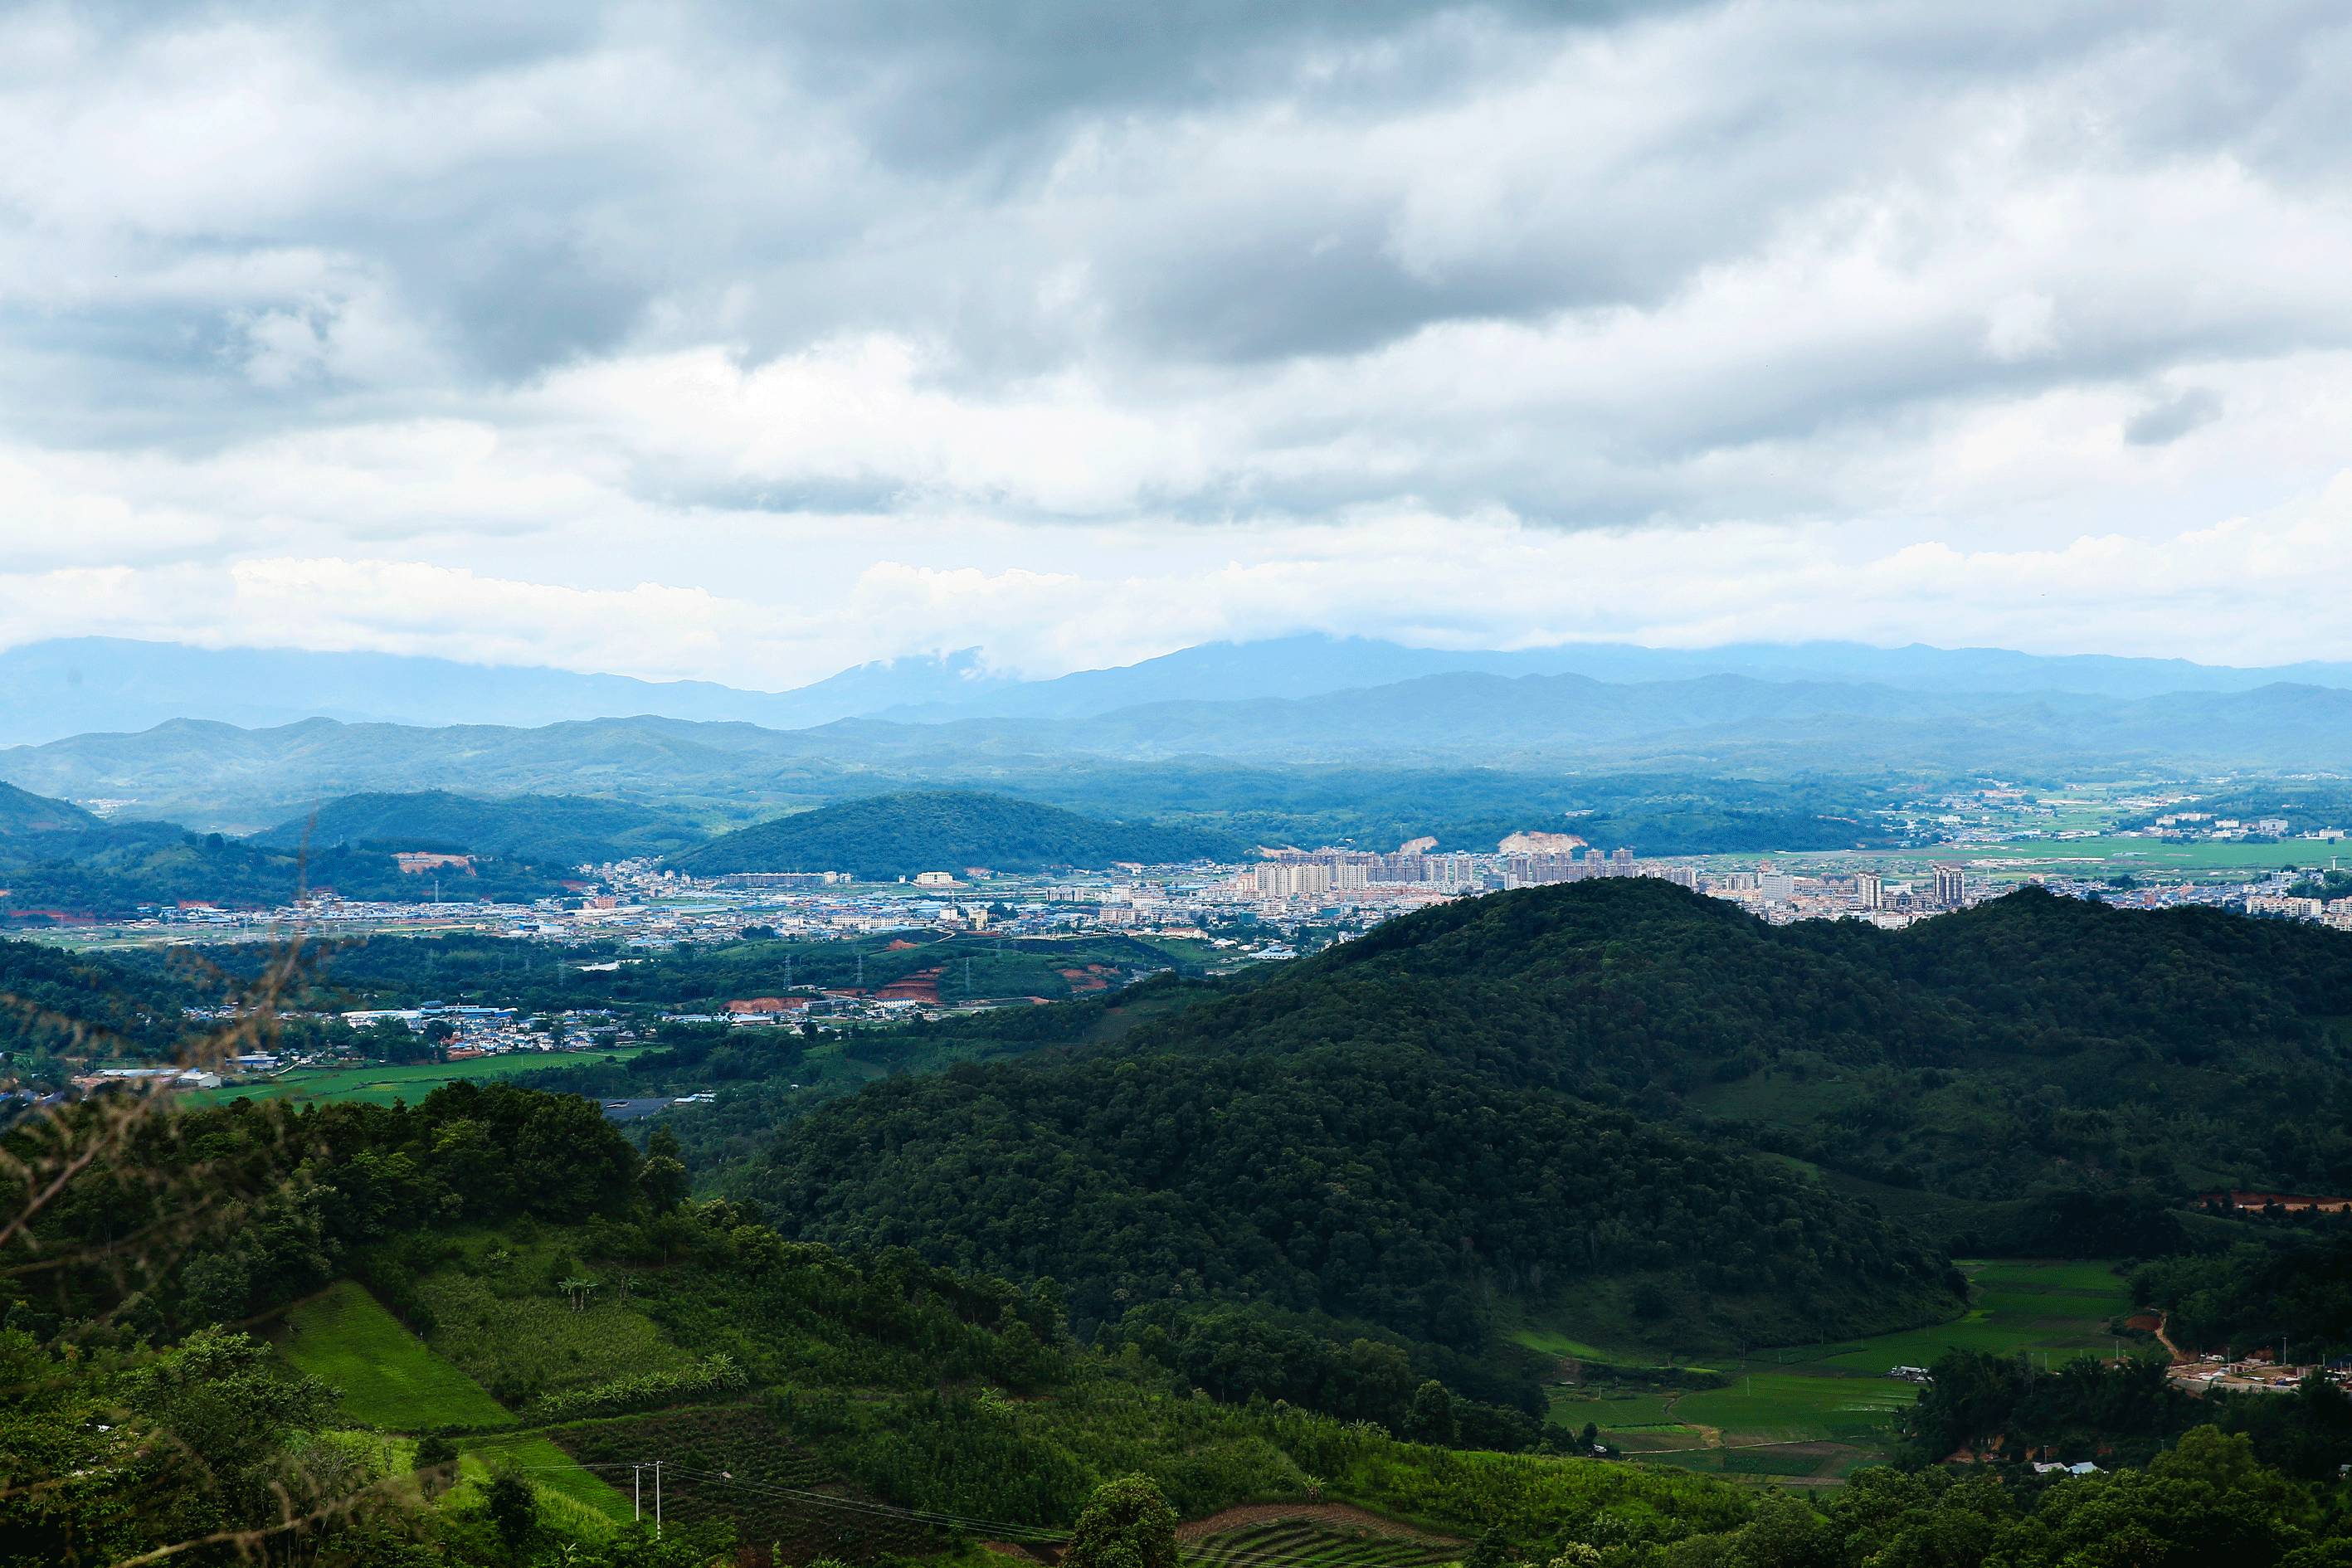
{"x": 51, "y": 691}
{"x": 218, "y": 775}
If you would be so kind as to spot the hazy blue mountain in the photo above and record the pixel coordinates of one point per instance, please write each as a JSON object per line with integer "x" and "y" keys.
{"x": 220, "y": 776}
{"x": 54, "y": 690}
{"x": 81, "y": 686}
{"x": 1309, "y": 665}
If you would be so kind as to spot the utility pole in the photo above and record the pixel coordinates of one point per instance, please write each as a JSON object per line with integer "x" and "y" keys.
{"x": 638, "y": 1492}
{"x": 657, "y": 1465}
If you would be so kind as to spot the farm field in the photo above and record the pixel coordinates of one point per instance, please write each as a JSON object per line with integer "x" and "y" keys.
{"x": 380, "y": 1085}
{"x": 1810, "y": 1414}
{"x": 1335, "y": 1538}
{"x": 344, "y": 1337}
{"x": 549, "y": 1468}
{"x": 2108, "y": 855}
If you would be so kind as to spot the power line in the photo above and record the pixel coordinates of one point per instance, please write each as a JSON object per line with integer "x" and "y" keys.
{"x": 995, "y": 1529}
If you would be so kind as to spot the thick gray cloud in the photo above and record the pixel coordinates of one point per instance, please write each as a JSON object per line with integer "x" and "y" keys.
{"x": 387, "y": 282}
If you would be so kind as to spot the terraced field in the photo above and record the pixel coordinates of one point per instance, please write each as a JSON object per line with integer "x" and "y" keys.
{"x": 1313, "y": 1542}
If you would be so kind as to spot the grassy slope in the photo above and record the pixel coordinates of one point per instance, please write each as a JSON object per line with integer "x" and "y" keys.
{"x": 387, "y": 1376}
{"x": 391, "y": 1380}
{"x": 849, "y": 1416}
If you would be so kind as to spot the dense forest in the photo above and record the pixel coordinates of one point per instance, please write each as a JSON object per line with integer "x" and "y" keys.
{"x": 1373, "y": 1184}
{"x": 904, "y": 834}
{"x": 55, "y": 1003}
{"x": 555, "y": 831}
{"x": 2031, "y": 1041}
{"x": 1487, "y": 1094}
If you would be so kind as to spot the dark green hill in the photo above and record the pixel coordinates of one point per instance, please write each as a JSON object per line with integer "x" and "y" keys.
{"x": 22, "y": 812}
{"x": 547, "y": 830}
{"x": 945, "y": 830}
{"x": 1478, "y": 1104}
{"x": 1387, "y": 1185}
{"x": 61, "y": 1003}
{"x": 2033, "y": 1041}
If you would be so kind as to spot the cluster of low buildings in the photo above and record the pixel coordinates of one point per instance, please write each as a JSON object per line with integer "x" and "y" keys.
{"x": 2257, "y": 1373}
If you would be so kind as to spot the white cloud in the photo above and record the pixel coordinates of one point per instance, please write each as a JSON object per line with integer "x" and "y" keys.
{"x": 686, "y": 340}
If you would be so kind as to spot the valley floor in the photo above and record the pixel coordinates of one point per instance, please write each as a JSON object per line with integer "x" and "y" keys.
{"x": 1811, "y": 1414}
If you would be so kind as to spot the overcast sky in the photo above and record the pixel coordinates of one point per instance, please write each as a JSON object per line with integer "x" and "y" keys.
{"x": 748, "y": 341}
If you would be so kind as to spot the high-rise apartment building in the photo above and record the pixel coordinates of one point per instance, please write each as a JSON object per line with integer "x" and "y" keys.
{"x": 1866, "y": 890}
{"x": 1951, "y": 887}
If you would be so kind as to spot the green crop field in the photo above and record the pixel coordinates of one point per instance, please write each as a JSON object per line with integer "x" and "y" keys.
{"x": 1834, "y": 1402}
{"x": 2106, "y": 855}
{"x": 2055, "y": 1310}
{"x": 380, "y": 1085}
{"x": 547, "y": 1467}
{"x": 1797, "y": 1407}
{"x": 388, "y": 1378}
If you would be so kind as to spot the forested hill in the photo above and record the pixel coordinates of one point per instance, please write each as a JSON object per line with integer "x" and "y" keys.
{"x": 543, "y": 829}
{"x": 22, "y": 812}
{"x": 53, "y": 1002}
{"x": 945, "y": 830}
{"x": 2032, "y": 1039}
{"x": 1477, "y": 1105}
{"x": 1381, "y": 1185}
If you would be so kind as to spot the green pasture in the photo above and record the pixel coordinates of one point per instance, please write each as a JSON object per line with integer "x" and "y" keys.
{"x": 1551, "y": 1342}
{"x": 1798, "y": 1406}
{"x": 2053, "y": 1309}
{"x": 380, "y": 1084}
{"x": 388, "y": 1378}
{"x": 1834, "y": 1400}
